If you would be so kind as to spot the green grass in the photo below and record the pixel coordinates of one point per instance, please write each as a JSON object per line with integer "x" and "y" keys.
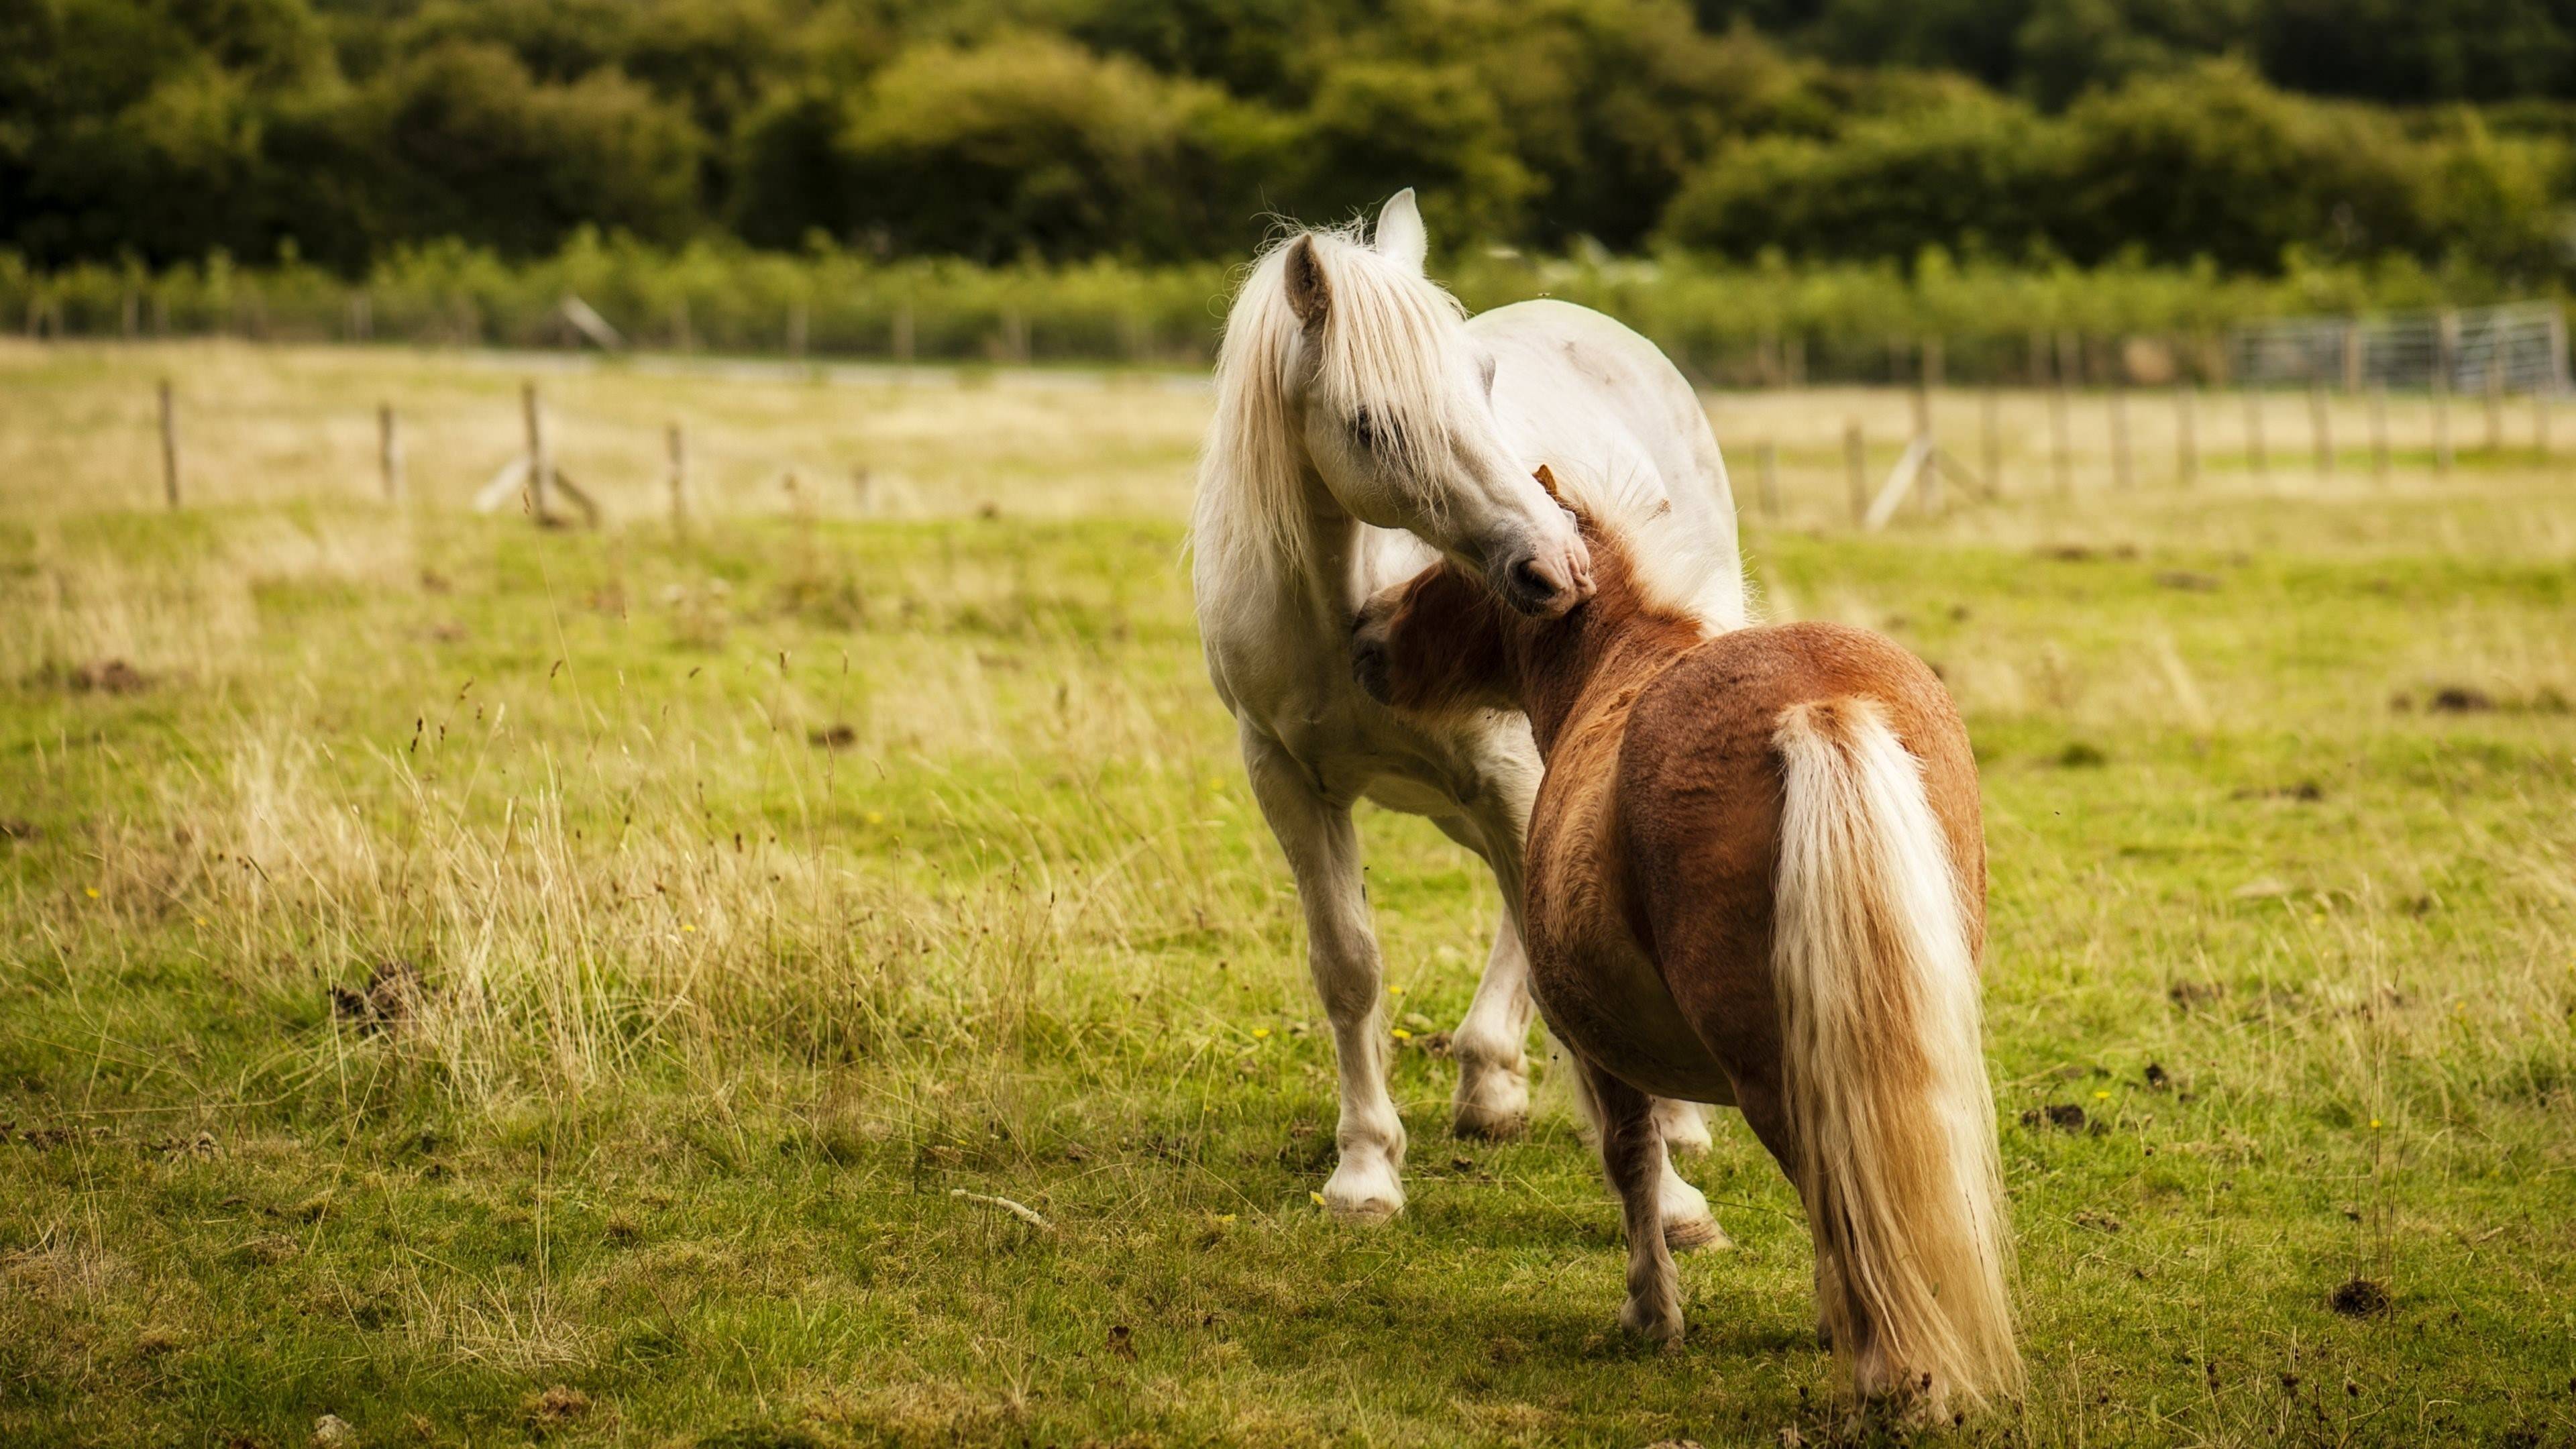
{"x": 766, "y": 886}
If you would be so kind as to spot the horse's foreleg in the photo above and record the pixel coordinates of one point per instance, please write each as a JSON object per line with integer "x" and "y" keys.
{"x": 1632, "y": 1157}
{"x": 1341, "y": 952}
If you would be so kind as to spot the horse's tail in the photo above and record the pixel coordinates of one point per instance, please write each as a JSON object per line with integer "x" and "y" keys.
{"x": 1883, "y": 1070}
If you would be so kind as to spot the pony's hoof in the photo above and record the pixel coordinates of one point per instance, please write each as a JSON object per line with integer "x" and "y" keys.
{"x": 1689, "y": 1235}
{"x": 1478, "y": 1121}
{"x": 1364, "y": 1193}
{"x": 1684, "y": 1126}
{"x": 1654, "y": 1323}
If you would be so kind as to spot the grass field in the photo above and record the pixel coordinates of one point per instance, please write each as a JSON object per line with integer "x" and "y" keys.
{"x": 485, "y": 985}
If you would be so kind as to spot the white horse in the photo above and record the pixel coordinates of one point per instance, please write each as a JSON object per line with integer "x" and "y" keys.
{"x": 1363, "y": 423}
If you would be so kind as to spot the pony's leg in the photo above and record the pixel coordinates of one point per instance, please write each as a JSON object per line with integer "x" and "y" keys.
{"x": 1768, "y": 1116}
{"x": 1688, "y": 1223}
{"x": 1632, "y": 1157}
{"x": 1341, "y": 953}
{"x": 1491, "y": 1044}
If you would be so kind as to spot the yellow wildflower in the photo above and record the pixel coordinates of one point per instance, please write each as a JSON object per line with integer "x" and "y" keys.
{"x": 1402, "y": 1035}
{"x": 90, "y": 891}
{"x": 1261, "y": 1033}
{"x": 1318, "y": 1197}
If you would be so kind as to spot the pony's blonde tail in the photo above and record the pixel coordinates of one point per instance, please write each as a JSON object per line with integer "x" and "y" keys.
{"x": 1884, "y": 1070}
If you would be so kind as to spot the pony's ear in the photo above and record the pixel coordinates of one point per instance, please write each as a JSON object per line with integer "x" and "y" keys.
{"x": 1400, "y": 237}
{"x": 1547, "y": 481}
{"x": 1309, "y": 295}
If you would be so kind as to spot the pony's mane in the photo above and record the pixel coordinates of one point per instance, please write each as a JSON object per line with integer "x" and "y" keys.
{"x": 1389, "y": 343}
{"x": 1673, "y": 569}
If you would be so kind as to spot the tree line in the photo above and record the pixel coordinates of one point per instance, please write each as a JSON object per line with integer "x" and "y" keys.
{"x": 2251, "y": 133}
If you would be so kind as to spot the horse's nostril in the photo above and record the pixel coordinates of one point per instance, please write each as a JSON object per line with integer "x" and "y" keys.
{"x": 1532, "y": 582}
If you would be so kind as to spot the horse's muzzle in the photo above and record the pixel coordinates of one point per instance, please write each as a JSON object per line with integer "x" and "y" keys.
{"x": 1545, "y": 582}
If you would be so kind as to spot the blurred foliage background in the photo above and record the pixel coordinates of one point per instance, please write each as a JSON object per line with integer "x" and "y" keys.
{"x": 2387, "y": 150}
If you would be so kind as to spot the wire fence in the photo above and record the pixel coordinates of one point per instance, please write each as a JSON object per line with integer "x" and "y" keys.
{"x": 2520, "y": 348}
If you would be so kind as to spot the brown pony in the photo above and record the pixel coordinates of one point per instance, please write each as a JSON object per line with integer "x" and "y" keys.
{"x": 1756, "y": 877}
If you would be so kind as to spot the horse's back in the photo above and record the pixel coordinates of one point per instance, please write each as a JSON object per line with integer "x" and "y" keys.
{"x": 1700, "y": 792}
{"x": 1699, "y": 774}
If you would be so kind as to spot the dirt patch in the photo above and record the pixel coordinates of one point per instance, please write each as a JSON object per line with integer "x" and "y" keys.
{"x": 2064, "y": 1116}
{"x": 833, "y": 737}
{"x": 2359, "y": 1298}
{"x": 2187, "y": 581}
{"x": 555, "y": 1408}
{"x": 394, "y": 992}
{"x": 2306, "y": 790}
{"x": 108, "y": 676}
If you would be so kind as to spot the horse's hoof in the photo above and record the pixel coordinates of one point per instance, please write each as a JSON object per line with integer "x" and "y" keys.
{"x": 1367, "y": 1213}
{"x": 1363, "y": 1192}
{"x": 1488, "y": 1124}
{"x": 1689, "y": 1235}
{"x": 1493, "y": 1102}
{"x": 1656, "y": 1325}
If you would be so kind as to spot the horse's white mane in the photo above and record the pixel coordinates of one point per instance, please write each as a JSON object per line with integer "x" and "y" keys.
{"x": 1390, "y": 343}
{"x": 1672, "y": 564}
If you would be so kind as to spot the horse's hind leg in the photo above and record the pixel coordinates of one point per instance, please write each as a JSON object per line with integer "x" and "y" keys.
{"x": 1632, "y": 1157}
{"x": 1491, "y": 1045}
{"x": 1688, "y": 1223}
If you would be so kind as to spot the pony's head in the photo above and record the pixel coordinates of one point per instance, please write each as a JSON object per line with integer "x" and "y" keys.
{"x": 1344, "y": 368}
{"x": 1440, "y": 641}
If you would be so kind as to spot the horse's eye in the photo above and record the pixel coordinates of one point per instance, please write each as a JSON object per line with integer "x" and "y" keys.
{"x": 1364, "y": 430}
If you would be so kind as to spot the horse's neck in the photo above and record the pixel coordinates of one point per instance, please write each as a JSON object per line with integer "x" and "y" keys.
{"x": 1591, "y": 663}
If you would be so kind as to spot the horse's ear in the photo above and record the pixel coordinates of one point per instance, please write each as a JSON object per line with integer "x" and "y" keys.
{"x": 1547, "y": 481}
{"x": 1309, "y": 295}
{"x": 1400, "y": 237}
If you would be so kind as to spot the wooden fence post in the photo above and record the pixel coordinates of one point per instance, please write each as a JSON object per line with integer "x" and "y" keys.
{"x": 2186, "y": 437}
{"x": 1991, "y": 441}
{"x": 2257, "y": 457}
{"x": 1856, "y": 467}
{"x": 2540, "y": 421}
{"x": 2060, "y": 456}
{"x": 1930, "y": 476}
{"x": 676, "y": 446}
{"x": 2118, "y": 401}
{"x": 541, "y": 466}
{"x": 169, "y": 445}
{"x": 2379, "y": 465}
{"x": 2320, "y": 430}
{"x": 389, "y": 452}
{"x": 1766, "y": 459}
{"x": 2441, "y": 423}
{"x": 2495, "y": 408}
{"x": 796, "y": 329}
{"x": 2446, "y": 358}
{"x": 903, "y": 334}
